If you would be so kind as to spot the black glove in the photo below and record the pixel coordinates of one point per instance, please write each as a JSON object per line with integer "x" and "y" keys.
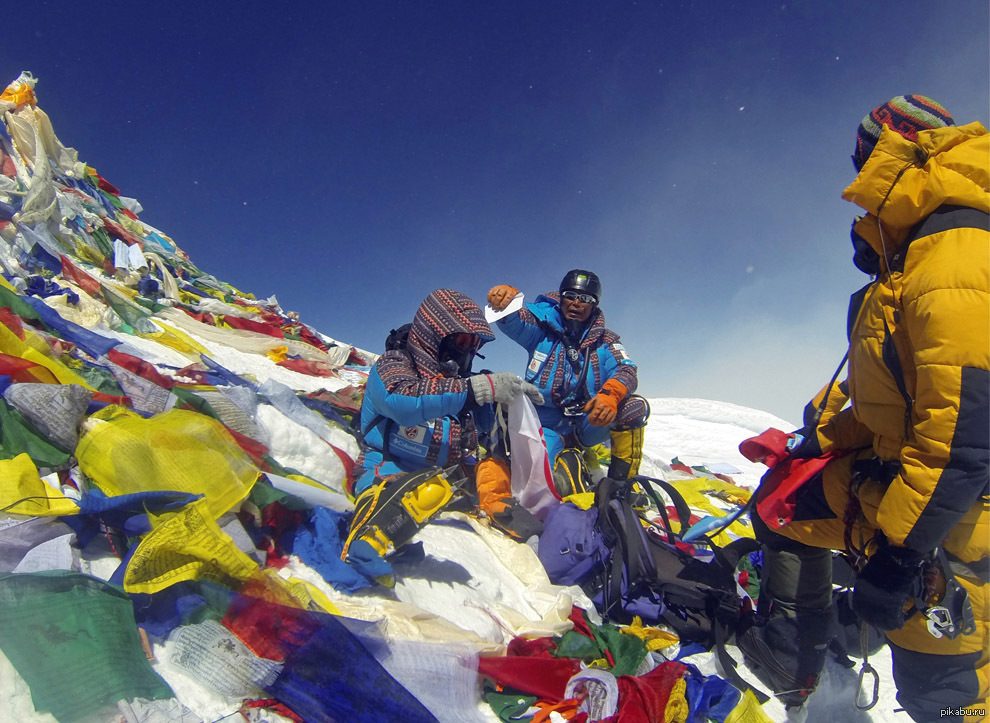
{"x": 805, "y": 444}
{"x": 886, "y": 585}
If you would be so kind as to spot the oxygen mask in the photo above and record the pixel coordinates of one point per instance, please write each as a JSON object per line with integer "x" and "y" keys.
{"x": 456, "y": 354}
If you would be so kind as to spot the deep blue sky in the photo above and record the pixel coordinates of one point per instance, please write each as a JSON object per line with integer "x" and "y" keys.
{"x": 351, "y": 157}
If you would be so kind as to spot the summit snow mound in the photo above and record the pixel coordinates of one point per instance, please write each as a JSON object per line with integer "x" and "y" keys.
{"x": 175, "y": 457}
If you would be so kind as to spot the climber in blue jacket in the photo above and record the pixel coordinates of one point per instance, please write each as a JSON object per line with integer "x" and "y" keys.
{"x": 582, "y": 370}
{"x": 422, "y": 405}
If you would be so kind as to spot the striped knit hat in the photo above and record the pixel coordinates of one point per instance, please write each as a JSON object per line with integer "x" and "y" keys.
{"x": 906, "y": 115}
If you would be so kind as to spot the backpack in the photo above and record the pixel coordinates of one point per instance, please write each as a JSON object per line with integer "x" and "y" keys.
{"x": 691, "y": 586}
{"x": 397, "y": 339}
{"x": 571, "y": 547}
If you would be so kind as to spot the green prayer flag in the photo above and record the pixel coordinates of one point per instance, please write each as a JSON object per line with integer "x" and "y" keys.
{"x": 74, "y": 640}
{"x": 132, "y": 314}
{"x": 17, "y": 436}
{"x": 13, "y": 301}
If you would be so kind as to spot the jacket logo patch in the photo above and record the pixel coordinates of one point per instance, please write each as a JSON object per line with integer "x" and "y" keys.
{"x": 621, "y": 351}
{"x": 410, "y": 441}
{"x": 538, "y": 359}
{"x": 413, "y": 434}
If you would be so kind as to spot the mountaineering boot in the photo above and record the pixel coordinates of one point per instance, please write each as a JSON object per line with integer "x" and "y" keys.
{"x": 570, "y": 473}
{"x": 788, "y": 653}
{"x": 627, "y": 452}
{"x": 388, "y": 514}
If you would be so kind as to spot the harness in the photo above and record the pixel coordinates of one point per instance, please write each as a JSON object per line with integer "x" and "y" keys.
{"x": 576, "y": 396}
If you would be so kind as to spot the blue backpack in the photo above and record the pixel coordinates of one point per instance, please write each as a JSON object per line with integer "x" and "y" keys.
{"x": 572, "y": 548}
{"x": 629, "y": 568}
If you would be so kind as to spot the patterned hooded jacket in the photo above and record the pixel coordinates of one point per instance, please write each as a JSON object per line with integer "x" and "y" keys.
{"x": 920, "y": 343}
{"x": 408, "y": 399}
{"x": 538, "y": 327}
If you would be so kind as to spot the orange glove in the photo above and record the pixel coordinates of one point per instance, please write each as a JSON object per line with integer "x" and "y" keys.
{"x": 500, "y": 296}
{"x": 604, "y": 405}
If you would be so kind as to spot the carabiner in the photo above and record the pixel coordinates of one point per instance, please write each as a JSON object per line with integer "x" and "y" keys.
{"x": 939, "y": 622}
{"x": 867, "y": 668}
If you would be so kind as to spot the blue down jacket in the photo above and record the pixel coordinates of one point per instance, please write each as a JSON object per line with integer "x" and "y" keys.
{"x": 409, "y": 403}
{"x": 538, "y": 328}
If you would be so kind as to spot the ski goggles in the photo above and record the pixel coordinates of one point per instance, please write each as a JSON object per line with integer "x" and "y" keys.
{"x": 465, "y": 342}
{"x": 575, "y": 296}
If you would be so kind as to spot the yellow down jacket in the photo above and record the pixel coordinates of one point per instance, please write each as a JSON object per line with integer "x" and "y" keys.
{"x": 920, "y": 345}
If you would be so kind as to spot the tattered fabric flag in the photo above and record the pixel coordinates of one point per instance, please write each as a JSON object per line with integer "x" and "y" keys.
{"x": 138, "y": 366}
{"x": 657, "y": 695}
{"x": 35, "y": 349}
{"x": 22, "y": 370}
{"x": 127, "y": 513}
{"x": 186, "y": 545}
{"x": 179, "y": 451}
{"x": 18, "y": 537}
{"x": 89, "y": 626}
{"x": 132, "y": 314}
{"x": 79, "y": 277}
{"x": 55, "y": 410}
{"x": 146, "y": 396}
{"x": 16, "y": 303}
{"x": 23, "y": 492}
{"x": 90, "y": 342}
{"x": 17, "y": 436}
{"x": 214, "y": 657}
{"x": 332, "y": 676}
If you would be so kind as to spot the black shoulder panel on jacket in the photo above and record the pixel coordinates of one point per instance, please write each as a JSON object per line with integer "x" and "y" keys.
{"x": 965, "y": 477}
{"x": 943, "y": 218}
{"x": 855, "y": 304}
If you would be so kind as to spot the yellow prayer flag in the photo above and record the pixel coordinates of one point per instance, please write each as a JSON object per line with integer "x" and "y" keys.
{"x": 23, "y": 492}
{"x": 179, "y": 451}
{"x": 29, "y": 350}
{"x": 748, "y": 710}
{"x": 186, "y": 545}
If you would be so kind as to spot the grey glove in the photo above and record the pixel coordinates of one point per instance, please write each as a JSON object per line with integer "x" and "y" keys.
{"x": 533, "y": 392}
{"x": 499, "y": 387}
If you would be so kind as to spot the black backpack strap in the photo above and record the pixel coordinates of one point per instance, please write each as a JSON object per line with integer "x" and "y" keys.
{"x": 624, "y": 535}
{"x": 729, "y": 664}
{"x": 683, "y": 511}
{"x": 618, "y": 554}
{"x": 386, "y": 432}
{"x": 729, "y": 556}
{"x": 892, "y": 360}
{"x": 738, "y": 549}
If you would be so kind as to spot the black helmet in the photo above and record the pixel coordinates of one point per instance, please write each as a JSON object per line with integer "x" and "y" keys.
{"x": 585, "y": 282}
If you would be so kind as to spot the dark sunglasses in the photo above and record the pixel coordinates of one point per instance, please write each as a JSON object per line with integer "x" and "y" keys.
{"x": 575, "y": 296}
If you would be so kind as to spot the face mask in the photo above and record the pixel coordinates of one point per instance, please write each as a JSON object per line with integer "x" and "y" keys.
{"x": 456, "y": 354}
{"x": 866, "y": 259}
